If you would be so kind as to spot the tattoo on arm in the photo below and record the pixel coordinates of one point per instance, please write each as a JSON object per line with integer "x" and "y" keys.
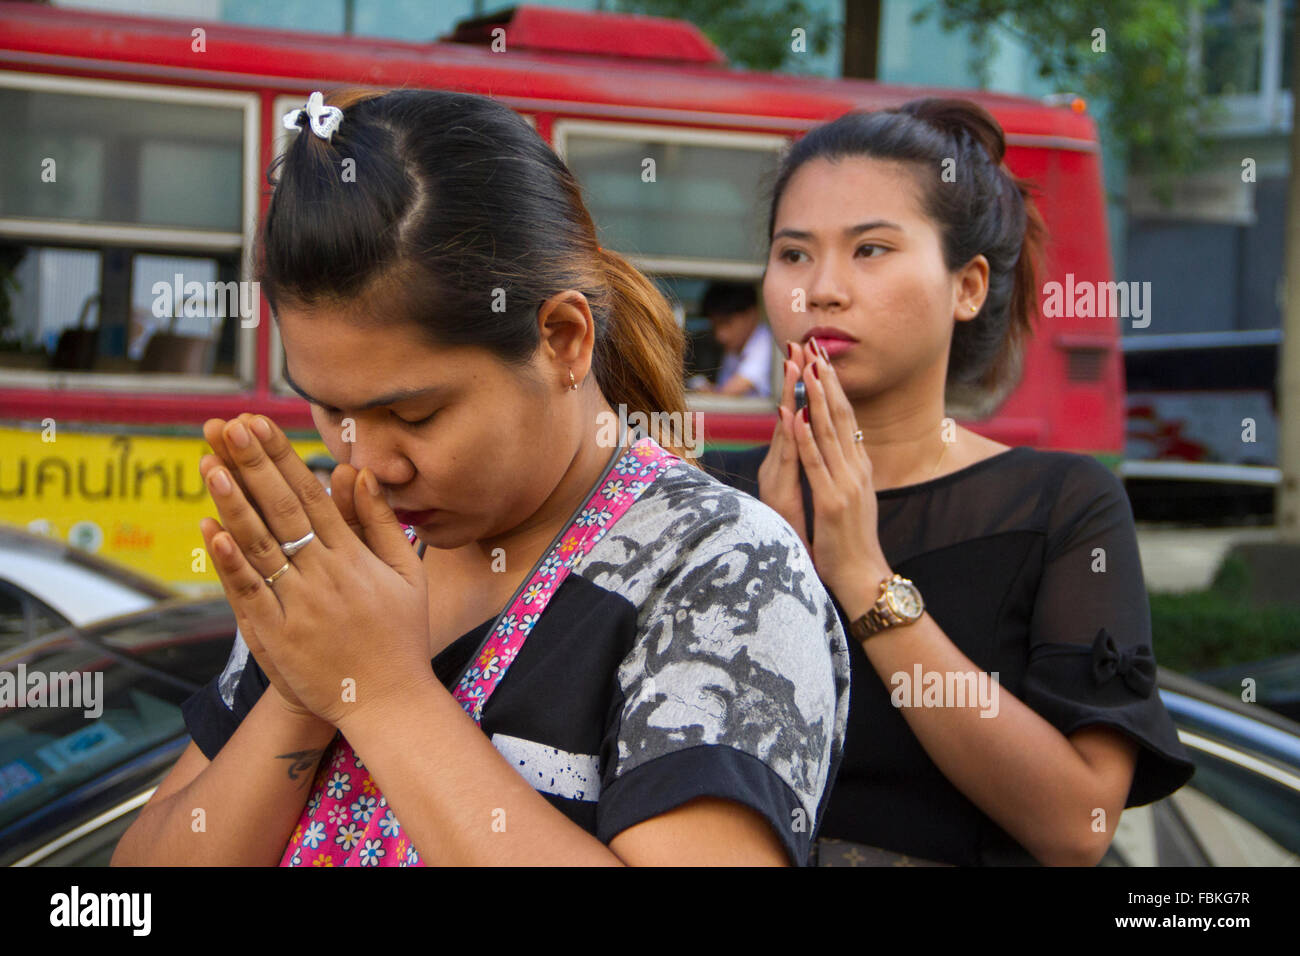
{"x": 302, "y": 763}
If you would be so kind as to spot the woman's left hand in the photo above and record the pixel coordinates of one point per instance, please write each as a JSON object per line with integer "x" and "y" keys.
{"x": 846, "y": 544}
{"x": 347, "y": 625}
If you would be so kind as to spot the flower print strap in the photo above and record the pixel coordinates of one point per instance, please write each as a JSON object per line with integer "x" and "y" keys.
{"x": 618, "y": 489}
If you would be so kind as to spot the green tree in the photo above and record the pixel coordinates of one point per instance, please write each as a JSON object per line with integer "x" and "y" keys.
{"x": 755, "y": 35}
{"x": 1134, "y": 60}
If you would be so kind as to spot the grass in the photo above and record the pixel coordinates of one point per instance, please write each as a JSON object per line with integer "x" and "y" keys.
{"x": 1217, "y": 627}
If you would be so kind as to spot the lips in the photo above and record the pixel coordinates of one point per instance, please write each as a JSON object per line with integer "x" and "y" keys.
{"x": 833, "y": 341}
{"x": 414, "y": 518}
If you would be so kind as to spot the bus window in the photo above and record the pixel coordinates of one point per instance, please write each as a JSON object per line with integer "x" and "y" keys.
{"x": 675, "y": 200}
{"x": 708, "y": 340}
{"x": 126, "y": 215}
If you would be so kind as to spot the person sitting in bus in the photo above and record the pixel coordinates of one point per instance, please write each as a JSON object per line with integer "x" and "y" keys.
{"x": 1003, "y": 702}
{"x": 732, "y": 310}
{"x": 505, "y": 637}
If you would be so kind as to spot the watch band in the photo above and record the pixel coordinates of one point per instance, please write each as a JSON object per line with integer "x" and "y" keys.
{"x": 881, "y": 616}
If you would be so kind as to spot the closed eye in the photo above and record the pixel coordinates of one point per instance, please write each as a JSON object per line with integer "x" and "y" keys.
{"x": 415, "y": 424}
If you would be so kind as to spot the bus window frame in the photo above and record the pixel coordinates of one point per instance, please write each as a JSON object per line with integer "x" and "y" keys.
{"x": 151, "y": 239}
{"x": 712, "y": 269}
{"x": 637, "y": 132}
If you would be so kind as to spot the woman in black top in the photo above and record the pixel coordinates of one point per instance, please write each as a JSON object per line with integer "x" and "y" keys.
{"x": 1015, "y": 719}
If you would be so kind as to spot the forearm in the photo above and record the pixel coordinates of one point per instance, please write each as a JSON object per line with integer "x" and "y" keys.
{"x": 455, "y": 795}
{"x": 250, "y": 795}
{"x": 1014, "y": 765}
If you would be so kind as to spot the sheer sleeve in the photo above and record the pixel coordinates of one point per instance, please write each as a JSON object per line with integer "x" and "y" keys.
{"x": 1090, "y": 656}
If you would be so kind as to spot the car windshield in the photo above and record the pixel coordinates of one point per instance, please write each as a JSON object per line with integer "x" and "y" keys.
{"x": 72, "y": 708}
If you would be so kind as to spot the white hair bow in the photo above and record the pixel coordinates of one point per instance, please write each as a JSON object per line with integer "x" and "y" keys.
{"x": 324, "y": 119}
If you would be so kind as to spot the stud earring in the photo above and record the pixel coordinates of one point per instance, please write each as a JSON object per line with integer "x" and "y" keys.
{"x": 573, "y": 385}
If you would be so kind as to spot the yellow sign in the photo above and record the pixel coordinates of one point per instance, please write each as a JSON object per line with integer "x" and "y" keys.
{"x": 134, "y": 499}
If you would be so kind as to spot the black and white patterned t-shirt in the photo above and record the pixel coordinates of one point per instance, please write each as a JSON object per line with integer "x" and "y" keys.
{"x": 693, "y": 653}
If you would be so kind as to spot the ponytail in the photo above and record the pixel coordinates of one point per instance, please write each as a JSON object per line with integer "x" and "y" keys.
{"x": 639, "y": 360}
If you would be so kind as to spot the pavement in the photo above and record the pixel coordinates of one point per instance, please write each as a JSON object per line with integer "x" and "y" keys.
{"x": 1185, "y": 559}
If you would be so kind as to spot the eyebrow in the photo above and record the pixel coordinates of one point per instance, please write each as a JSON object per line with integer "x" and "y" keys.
{"x": 849, "y": 231}
{"x": 401, "y": 395}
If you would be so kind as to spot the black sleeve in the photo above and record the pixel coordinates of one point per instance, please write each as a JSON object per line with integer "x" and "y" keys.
{"x": 216, "y": 710}
{"x": 1090, "y": 656}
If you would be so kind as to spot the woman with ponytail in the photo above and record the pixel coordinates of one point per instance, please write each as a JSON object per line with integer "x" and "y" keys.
{"x": 1003, "y": 688}
{"x": 501, "y": 637}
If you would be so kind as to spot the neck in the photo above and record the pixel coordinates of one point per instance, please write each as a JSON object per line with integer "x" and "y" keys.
{"x": 903, "y": 433}
{"x": 524, "y": 544}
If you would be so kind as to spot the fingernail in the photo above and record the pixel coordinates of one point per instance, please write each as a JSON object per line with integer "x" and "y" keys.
{"x": 372, "y": 485}
{"x": 805, "y": 414}
{"x": 813, "y": 342}
{"x": 239, "y": 435}
{"x": 222, "y": 547}
{"x": 816, "y": 374}
{"x": 220, "y": 483}
{"x": 260, "y": 428}
{"x": 789, "y": 350}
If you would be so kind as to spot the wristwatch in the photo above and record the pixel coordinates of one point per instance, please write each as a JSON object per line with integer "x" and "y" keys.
{"x": 900, "y": 603}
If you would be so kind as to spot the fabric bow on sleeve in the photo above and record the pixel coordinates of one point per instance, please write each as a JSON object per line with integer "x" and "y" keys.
{"x": 1135, "y": 663}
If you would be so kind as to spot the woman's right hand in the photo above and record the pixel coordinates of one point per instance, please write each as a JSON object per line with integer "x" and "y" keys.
{"x": 778, "y": 475}
{"x": 343, "y": 481}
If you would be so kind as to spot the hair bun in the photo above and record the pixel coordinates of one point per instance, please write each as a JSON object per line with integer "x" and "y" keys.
{"x": 953, "y": 116}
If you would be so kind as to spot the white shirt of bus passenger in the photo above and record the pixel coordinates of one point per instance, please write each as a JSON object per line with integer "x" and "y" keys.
{"x": 754, "y": 362}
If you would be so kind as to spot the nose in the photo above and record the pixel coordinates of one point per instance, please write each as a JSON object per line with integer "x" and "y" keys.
{"x": 826, "y": 287}
{"x": 377, "y": 447}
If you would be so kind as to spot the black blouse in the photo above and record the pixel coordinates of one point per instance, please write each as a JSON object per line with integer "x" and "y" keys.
{"x": 1028, "y": 561}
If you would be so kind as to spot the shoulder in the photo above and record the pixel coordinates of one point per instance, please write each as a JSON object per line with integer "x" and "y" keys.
{"x": 738, "y": 643}
{"x": 715, "y": 573}
{"x": 1081, "y": 495}
{"x": 689, "y": 518}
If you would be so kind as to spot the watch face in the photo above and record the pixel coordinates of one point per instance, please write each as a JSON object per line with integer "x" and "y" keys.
{"x": 905, "y": 600}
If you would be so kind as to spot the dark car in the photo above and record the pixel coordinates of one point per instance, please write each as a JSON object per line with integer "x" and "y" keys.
{"x": 70, "y": 784}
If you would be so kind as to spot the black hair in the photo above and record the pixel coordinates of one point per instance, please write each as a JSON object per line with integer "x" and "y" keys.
{"x": 728, "y": 298}
{"x": 448, "y": 211}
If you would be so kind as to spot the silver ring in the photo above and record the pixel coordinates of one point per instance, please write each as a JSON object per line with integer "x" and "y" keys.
{"x": 293, "y": 547}
{"x": 857, "y": 435}
{"x": 271, "y": 580}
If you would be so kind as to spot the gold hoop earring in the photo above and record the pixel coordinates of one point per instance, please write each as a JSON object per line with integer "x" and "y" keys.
{"x": 573, "y": 385}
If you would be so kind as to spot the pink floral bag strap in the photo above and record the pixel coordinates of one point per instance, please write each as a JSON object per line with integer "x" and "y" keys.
{"x": 347, "y": 821}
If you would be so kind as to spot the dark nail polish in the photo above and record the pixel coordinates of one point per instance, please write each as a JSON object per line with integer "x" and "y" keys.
{"x": 789, "y": 350}
{"x": 805, "y": 414}
{"x": 816, "y": 374}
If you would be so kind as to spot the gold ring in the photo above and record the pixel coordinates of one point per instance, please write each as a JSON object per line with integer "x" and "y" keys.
{"x": 271, "y": 580}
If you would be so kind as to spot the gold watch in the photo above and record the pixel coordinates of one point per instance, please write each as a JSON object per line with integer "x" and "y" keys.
{"x": 900, "y": 603}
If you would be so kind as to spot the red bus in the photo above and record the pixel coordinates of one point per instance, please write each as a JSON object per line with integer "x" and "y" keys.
{"x": 136, "y": 151}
